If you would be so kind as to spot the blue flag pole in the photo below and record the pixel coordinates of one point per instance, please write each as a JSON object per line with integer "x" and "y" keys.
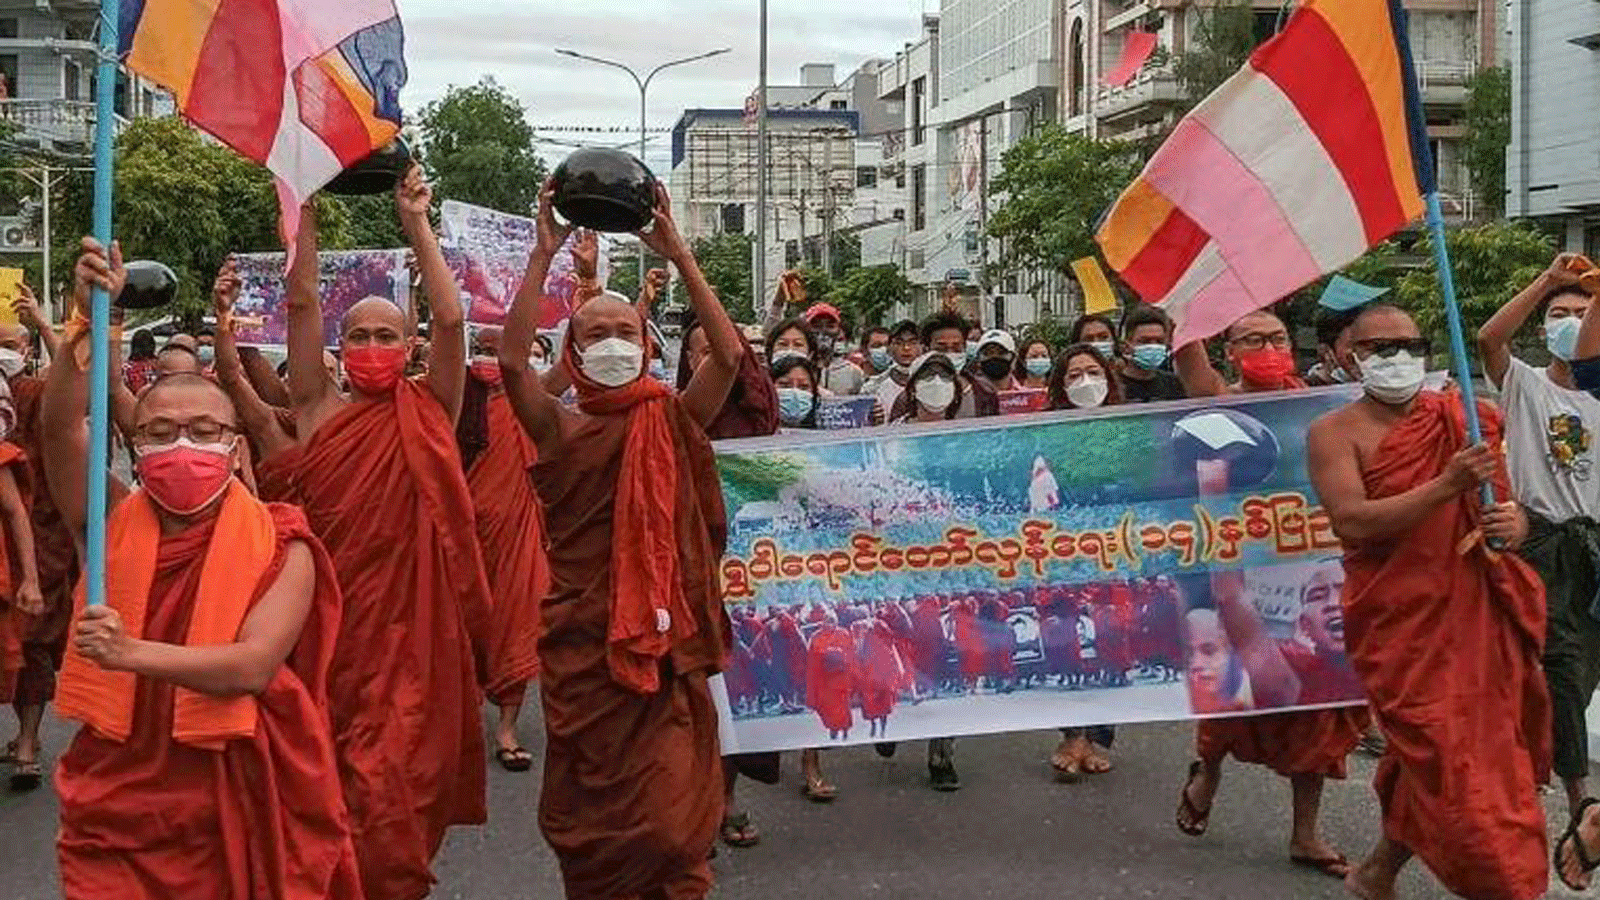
{"x": 1461, "y": 363}
{"x": 105, "y": 127}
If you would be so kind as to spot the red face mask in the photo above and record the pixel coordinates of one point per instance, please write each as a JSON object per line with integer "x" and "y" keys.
{"x": 374, "y": 370}
{"x": 1267, "y": 369}
{"x": 185, "y": 477}
{"x": 487, "y": 371}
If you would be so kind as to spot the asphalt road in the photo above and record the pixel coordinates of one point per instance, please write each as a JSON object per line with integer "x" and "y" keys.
{"x": 1011, "y": 833}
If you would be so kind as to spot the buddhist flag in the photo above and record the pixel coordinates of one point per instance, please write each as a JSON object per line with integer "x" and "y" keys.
{"x": 304, "y": 87}
{"x": 1309, "y": 156}
{"x": 1098, "y": 297}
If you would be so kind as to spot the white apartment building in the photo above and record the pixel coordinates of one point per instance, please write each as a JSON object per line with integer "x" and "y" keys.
{"x": 1553, "y": 164}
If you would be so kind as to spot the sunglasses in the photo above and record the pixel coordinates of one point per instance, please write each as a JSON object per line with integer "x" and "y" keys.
{"x": 1385, "y": 348}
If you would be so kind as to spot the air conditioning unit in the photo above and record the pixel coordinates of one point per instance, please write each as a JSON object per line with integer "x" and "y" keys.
{"x": 17, "y": 235}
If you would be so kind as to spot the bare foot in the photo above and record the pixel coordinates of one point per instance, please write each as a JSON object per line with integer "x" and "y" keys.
{"x": 1319, "y": 856}
{"x": 1369, "y": 884}
{"x": 1068, "y": 758}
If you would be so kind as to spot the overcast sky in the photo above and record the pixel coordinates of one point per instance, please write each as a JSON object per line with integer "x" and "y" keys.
{"x": 458, "y": 41}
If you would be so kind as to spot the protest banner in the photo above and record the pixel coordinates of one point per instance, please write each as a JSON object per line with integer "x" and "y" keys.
{"x": 488, "y": 251}
{"x": 10, "y": 290}
{"x": 346, "y": 277}
{"x": 845, "y": 413}
{"x": 991, "y": 575}
{"x": 1023, "y": 400}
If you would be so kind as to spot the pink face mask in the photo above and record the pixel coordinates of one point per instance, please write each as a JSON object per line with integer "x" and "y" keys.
{"x": 184, "y": 478}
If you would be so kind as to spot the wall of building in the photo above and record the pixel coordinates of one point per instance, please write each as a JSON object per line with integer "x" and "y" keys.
{"x": 1553, "y": 164}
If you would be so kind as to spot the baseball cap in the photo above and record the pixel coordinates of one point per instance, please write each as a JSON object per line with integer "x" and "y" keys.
{"x": 822, "y": 310}
{"x": 1000, "y": 337}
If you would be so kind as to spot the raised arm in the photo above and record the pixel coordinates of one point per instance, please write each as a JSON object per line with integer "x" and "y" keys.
{"x": 708, "y": 389}
{"x": 26, "y": 306}
{"x": 1273, "y": 683}
{"x": 310, "y": 388}
{"x": 1494, "y": 338}
{"x": 263, "y": 377}
{"x": 259, "y": 419}
{"x": 64, "y": 430}
{"x": 447, "y": 327}
{"x": 246, "y": 666}
{"x": 655, "y": 286}
{"x": 1357, "y": 520}
{"x": 537, "y": 410}
{"x": 1199, "y": 377}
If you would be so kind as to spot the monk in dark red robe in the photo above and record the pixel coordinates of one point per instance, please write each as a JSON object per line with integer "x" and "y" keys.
{"x": 634, "y": 623}
{"x": 20, "y": 600}
{"x": 381, "y": 481}
{"x": 1445, "y": 630}
{"x": 881, "y": 676}
{"x": 970, "y": 644}
{"x": 206, "y": 763}
{"x": 831, "y": 676}
{"x": 928, "y": 643}
{"x": 41, "y": 590}
{"x": 499, "y": 458}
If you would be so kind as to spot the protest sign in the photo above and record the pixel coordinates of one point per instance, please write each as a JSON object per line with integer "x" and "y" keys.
{"x": 844, "y": 413}
{"x": 1023, "y": 400}
{"x": 995, "y": 575}
{"x": 488, "y": 251}
{"x": 10, "y": 290}
{"x": 346, "y": 278}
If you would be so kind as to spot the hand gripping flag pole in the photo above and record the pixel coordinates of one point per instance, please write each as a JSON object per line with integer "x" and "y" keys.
{"x": 100, "y": 307}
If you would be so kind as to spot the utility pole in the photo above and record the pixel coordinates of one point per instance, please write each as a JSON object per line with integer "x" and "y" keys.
{"x": 760, "y": 292}
{"x": 45, "y": 178}
{"x": 983, "y": 214}
{"x": 827, "y": 206}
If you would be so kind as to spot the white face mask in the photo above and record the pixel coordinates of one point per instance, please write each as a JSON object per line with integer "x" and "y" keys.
{"x": 1088, "y": 391}
{"x": 1394, "y": 381}
{"x": 613, "y": 362}
{"x": 784, "y": 353}
{"x": 11, "y": 362}
{"x": 936, "y": 394}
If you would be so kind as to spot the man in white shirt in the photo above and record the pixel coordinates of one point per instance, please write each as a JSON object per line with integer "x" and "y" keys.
{"x": 1550, "y": 429}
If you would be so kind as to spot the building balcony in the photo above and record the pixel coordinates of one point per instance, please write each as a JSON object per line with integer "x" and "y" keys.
{"x": 1444, "y": 82}
{"x": 1154, "y": 85}
{"x": 64, "y": 127}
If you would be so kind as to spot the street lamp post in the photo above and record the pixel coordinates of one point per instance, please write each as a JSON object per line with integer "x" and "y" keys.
{"x": 644, "y": 89}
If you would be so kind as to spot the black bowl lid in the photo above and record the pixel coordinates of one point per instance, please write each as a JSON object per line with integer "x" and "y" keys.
{"x": 376, "y": 174}
{"x": 150, "y": 285}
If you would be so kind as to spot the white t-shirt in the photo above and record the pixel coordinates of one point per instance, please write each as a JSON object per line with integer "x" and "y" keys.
{"x": 1550, "y": 434}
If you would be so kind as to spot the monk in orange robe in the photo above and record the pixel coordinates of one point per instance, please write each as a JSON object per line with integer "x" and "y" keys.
{"x": 1306, "y": 747}
{"x": 499, "y": 458}
{"x": 1445, "y": 624}
{"x": 43, "y": 569}
{"x": 206, "y": 762}
{"x": 832, "y": 676}
{"x": 633, "y": 622}
{"x": 380, "y": 478}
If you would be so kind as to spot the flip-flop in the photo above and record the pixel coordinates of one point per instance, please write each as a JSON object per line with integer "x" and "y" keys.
{"x": 1335, "y": 866}
{"x": 1571, "y": 834}
{"x": 819, "y": 791}
{"x": 27, "y": 777}
{"x": 1199, "y": 819}
{"x": 738, "y": 832}
{"x": 514, "y": 759}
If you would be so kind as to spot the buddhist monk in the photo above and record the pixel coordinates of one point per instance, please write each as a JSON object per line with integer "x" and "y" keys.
{"x": 206, "y": 762}
{"x": 832, "y": 677}
{"x": 498, "y": 455}
{"x": 41, "y": 607}
{"x": 1400, "y": 482}
{"x": 1305, "y": 747}
{"x": 633, "y": 621}
{"x": 381, "y": 481}
{"x": 881, "y": 676}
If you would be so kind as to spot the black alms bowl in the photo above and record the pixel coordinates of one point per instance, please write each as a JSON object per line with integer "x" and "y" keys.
{"x": 150, "y": 285}
{"x": 377, "y": 174}
{"x": 606, "y": 190}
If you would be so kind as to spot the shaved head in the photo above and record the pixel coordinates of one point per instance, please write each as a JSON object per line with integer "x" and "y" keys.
{"x": 185, "y": 341}
{"x": 373, "y": 311}
{"x": 609, "y": 315}
{"x": 1382, "y": 321}
{"x": 176, "y": 359}
{"x": 184, "y": 396}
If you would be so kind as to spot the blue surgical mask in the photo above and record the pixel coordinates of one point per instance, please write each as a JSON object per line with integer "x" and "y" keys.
{"x": 1561, "y": 337}
{"x": 1106, "y": 348}
{"x": 795, "y": 405}
{"x": 1038, "y": 366}
{"x": 958, "y": 358}
{"x": 881, "y": 360}
{"x": 1151, "y": 356}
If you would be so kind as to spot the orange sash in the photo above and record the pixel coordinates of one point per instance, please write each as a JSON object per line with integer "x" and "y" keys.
{"x": 242, "y": 549}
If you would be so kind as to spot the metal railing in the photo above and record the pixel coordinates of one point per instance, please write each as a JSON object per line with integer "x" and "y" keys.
{"x": 54, "y": 121}
{"x": 1444, "y": 73}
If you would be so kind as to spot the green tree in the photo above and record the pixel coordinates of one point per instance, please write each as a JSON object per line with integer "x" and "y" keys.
{"x": 188, "y": 202}
{"x": 1223, "y": 39}
{"x": 1053, "y": 187}
{"x": 725, "y": 259}
{"x": 868, "y": 294}
{"x": 1488, "y": 115}
{"x": 478, "y": 147}
{"x": 1491, "y": 263}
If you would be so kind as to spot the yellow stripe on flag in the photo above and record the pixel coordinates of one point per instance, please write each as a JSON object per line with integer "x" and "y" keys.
{"x": 379, "y": 131}
{"x": 1363, "y": 27}
{"x": 1138, "y": 214}
{"x": 1097, "y": 294}
{"x": 166, "y": 48}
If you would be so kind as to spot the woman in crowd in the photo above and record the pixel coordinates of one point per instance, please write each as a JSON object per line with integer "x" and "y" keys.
{"x": 1099, "y": 332}
{"x": 792, "y": 337}
{"x": 1083, "y": 379}
{"x": 1034, "y": 364}
{"x": 933, "y": 392}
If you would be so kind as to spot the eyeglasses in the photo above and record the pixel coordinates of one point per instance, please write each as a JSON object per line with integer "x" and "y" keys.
{"x": 1384, "y": 348}
{"x": 166, "y": 431}
{"x": 1279, "y": 341}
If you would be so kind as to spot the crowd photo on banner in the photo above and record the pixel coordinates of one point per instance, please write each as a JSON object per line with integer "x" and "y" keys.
{"x": 290, "y": 546}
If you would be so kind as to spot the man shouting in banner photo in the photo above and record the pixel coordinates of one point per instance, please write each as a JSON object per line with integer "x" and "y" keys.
{"x": 633, "y": 621}
{"x": 1443, "y": 621}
